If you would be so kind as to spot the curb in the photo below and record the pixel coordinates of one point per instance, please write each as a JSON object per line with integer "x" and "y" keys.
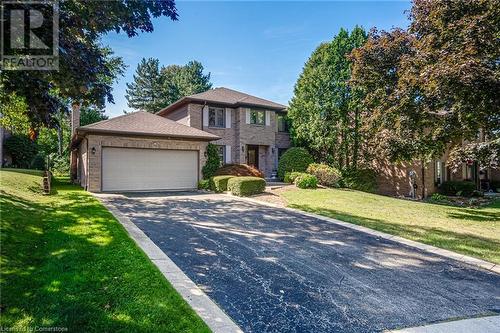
{"x": 478, "y": 263}
{"x": 216, "y": 319}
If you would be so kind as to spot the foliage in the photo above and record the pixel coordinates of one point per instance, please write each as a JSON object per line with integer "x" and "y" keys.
{"x": 325, "y": 109}
{"x": 459, "y": 188}
{"x": 87, "y": 69}
{"x": 219, "y": 183}
{"x": 487, "y": 154}
{"x": 71, "y": 238}
{"x": 495, "y": 185}
{"x": 154, "y": 88}
{"x": 90, "y": 115}
{"x": 294, "y": 159}
{"x": 13, "y": 113}
{"x": 212, "y": 163}
{"x": 359, "y": 179}
{"x": 305, "y": 180}
{"x": 291, "y": 176}
{"x": 22, "y": 149}
{"x": 326, "y": 175}
{"x": 239, "y": 170}
{"x": 245, "y": 186}
{"x": 434, "y": 84}
{"x": 205, "y": 184}
{"x": 59, "y": 164}
{"x": 38, "y": 162}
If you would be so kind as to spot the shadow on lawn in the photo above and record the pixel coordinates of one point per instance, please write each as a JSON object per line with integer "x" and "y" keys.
{"x": 468, "y": 244}
{"x": 68, "y": 263}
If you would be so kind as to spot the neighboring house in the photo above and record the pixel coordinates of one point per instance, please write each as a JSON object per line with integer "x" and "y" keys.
{"x": 252, "y": 130}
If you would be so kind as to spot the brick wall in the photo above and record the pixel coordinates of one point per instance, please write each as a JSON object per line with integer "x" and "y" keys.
{"x": 99, "y": 141}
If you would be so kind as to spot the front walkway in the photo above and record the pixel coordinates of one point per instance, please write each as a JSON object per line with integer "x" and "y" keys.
{"x": 272, "y": 270}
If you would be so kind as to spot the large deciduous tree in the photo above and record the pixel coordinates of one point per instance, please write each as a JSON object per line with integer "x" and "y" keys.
{"x": 87, "y": 68}
{"x": 325, "y": 109}
{"x": 154, "y": 88}
{"x": 436, "y": 84}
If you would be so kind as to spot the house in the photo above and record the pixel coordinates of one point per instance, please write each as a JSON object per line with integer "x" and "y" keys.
{"x": 252, "y": 130}
{"x": 141, "y": 151}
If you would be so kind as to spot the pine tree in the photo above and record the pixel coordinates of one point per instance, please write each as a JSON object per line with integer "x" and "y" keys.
{"x": 145, "y": 93}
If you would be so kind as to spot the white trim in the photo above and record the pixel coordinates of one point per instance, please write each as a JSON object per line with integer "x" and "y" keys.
{"x": 227, "y": 154}
{"x": 268, "y": 118}
{"x": 227, "y": 111}
{"x": 247, "y": 117}
{"x": 205, "y": 116}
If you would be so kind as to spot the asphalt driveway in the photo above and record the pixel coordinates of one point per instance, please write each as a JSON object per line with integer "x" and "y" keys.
{"x": 273, "y": 270}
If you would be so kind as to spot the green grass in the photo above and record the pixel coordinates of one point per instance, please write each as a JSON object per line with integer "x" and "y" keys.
{"x": 66, "y": 262}
{"x": 471, "y": 231}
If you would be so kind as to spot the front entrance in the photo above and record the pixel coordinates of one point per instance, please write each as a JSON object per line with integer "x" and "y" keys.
{"x": 253, "y": 156}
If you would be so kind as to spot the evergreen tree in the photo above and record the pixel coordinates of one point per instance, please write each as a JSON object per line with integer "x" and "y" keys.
{"x": 90, "y": 115}
{"x": 325, "y": 108}
{"x": 145, "y": 93}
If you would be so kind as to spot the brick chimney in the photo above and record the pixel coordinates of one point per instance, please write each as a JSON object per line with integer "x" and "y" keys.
{"x": 75, "y": 117}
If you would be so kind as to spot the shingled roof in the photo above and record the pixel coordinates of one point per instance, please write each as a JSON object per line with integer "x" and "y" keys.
{"x": 226, "y": 97}
{"x": 147, "y": 124}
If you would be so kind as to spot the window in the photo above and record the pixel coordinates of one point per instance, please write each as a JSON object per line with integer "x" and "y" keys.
{"x": 282, "y": 123}
{"x": 221, "y": 150}
{"x": 216, "y": 117}
{"x": 257, "y": 117}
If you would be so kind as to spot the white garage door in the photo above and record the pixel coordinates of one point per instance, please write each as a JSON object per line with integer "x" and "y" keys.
{"x": 131, "y": 169}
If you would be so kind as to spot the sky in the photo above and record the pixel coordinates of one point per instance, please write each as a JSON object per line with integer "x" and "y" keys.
{"x": 257, "y": 47}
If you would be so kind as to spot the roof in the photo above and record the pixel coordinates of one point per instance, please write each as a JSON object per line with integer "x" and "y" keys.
{"x": 225, "y": 96}
{"x": 147, "y": 124}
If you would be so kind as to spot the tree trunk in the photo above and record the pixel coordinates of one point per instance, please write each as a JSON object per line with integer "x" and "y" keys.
{"x": 355, "y": 148}
{"x": 423, "y": 178}
{"x": 59, "y": 140}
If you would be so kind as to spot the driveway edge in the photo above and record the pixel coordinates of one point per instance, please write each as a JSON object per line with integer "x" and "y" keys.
{"x": 427, "y": 248}
{"x": 216, "y": 319}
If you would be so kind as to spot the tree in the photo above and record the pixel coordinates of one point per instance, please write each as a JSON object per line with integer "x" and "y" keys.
{"x": 87, "y": 69}
{"x": 325, "y": 108}
{"x": 434, "y": 85}
{"x": 155, "y": 89}
{"x": 145, "y": 92}
{"x": 90, "y": 115}
{"x": 13, "y": 113}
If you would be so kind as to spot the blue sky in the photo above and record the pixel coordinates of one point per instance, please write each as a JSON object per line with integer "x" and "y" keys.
{"x": 256, "y": 47}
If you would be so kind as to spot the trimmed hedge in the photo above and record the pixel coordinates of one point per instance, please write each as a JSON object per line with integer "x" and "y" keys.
{"x": 458, "y": 188}
{"x": 360, "y": 179}
{"x": 245, "y": 186}
{"x": 239, "y": 170}
{"x": 294, "y": 159}
{"x": 326, "y": 175}
{"x": 290, "y": 176}
{"x": 219, "y": 183}
{"x": 305, "y": 180}
{"x": 205, "y": 184}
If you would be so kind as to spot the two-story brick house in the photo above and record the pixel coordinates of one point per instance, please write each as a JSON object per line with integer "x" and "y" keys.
{"x": 252, "y": 130}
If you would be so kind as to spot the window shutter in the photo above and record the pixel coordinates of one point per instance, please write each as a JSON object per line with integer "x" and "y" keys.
{"x": 228, "y": 154}
{"x": 205, "y": 116}
{"x": 228, "y": 118}
{"x": 268, "y": 118}
{"x": 247, "y": 118}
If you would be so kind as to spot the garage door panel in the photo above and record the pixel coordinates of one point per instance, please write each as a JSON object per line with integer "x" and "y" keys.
{"x": 132, "y": 169}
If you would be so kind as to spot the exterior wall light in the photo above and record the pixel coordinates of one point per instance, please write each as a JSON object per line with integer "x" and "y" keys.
{"x": 93, "y": 150}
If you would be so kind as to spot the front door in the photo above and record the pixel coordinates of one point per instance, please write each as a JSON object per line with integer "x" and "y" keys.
{"x": 253, "y": 156}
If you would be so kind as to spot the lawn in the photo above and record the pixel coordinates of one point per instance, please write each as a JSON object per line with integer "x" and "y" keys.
{"x": 471, "y": 231}
{"x": 66, "y": 262}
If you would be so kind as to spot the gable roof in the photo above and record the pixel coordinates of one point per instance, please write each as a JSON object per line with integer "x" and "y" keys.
{"x": 227, "y": 97}
{"x": 147, "y": 124}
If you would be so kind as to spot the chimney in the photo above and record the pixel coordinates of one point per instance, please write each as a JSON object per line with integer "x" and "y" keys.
{"x": 75, "y": 117}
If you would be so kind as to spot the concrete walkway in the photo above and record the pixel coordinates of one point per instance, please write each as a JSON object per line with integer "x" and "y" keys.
{"x": 474, "y": 325}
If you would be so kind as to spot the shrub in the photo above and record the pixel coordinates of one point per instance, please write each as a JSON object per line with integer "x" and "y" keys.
{"x": 305, "y": 180}
{"x": 245, "y": 186}
{"x": 219, "y": 183}
{"x": 290, "y": 176}
{"x": 438, "y": 197}
{"x": 359, "y": 179}
{"x": 38, "y": 162}
{"x": 294, "y": 159}
{"x": 239, "y": 170}
{"x": 212, "y": 163}
{"x": 22, "y": 150}
{"x": 326, "y": 175}
{"x": 495, "y": 185}
{"x": 458, "y": 188}
{"x": 205, "y": 184}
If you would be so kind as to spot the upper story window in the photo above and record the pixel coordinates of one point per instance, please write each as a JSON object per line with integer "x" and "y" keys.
{"x": 216, "y": 117}
{"x": 257, "y": 117}
{"x": 282, "y": 123}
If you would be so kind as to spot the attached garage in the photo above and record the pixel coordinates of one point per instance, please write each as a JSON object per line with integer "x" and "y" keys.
{"x": 139, "y": 152}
